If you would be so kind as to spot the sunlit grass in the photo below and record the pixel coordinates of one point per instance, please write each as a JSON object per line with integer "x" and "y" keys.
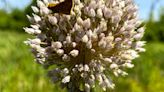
{"x": 19, "y": 72}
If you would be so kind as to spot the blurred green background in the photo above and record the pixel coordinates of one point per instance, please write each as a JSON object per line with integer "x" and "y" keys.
{"x": 18, "y": 72}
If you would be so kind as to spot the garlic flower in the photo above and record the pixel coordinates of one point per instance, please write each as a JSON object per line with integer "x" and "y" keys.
{"x": 96, "y": 41}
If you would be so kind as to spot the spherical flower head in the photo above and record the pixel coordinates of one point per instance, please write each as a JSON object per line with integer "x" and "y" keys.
{"x": 96, "y": 41}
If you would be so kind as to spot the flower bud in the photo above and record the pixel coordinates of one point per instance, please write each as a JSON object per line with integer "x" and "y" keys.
{"x": 57, "y": 45}
{"x": 74, "y": 53}
{"x": 35, "y": 9}
{"x": 36, "y": 18}
{"x": 66, "y": 79}
{"x": 85, "y": 39}
{"x": 99, "y": 13}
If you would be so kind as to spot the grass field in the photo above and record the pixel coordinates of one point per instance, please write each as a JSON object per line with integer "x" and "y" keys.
{"x": 18, "y": 72}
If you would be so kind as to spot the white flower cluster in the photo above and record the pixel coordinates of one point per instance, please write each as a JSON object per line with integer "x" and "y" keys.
{"x": 99, "y": 38}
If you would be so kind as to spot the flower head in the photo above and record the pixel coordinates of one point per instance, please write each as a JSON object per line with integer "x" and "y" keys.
{"x": 96, "y": 41}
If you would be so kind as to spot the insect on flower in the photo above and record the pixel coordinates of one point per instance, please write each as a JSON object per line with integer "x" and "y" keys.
{"x": 63, "y": 7}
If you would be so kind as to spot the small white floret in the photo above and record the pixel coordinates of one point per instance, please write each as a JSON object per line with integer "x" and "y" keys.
{"x": 66, "y": 79}
{"x": 74, "y": 53}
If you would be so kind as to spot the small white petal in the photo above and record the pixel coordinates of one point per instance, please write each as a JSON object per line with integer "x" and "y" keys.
{"x": 44, "y": 11}
{"x": 89, "y": 33}
{"x": 138, "y": 23}
{"x": 86, "y": 10}
{"x": 113, "y": 66}
{"x": 132, "y": 8}
{"x": 103, "y": 26}
{"x": 35, "y": 26}
{"x": 37, "y": 31}
{"x": 100, "y": 68}
{"x": 46, "y": 1}
{"x": 77, "y": 10}
{"x": 40, "y": 4}
{"x": 109, "y": 38}
{"x": 116, "y": 19}
{"x": 118, "y": 39}
{"x": 91, "y": 82}
{"x": 77, "y": 27}
{"x": 102, "y": 44}
{"x": 56, "y": 45}
{"x": 74, "y": 53}
{"x": 141, "y": 30}
{"x": 108, "y": 60}
{"x": 108, "y": 83}
{"x": 79, "y": 21}
{"x": 87, "y": 23}
{"x": 36, "y": 18}
{"x": 140, "y": 43}
{"x": 66, "y": 57}
{"x": 89, "y": 45}
{"x": 93, "y": 51}
{"x": 60, "y": 52}
{"x": 35, "y": 9}
{"x": 68, "y": 39}
{"x": 92, "y": 13}
{"x": 52, "y": 20}
{"x": 122, "y": 4}
{"x": 86, "y": 68}
{"x": 99, "y": 13}
{"x": 124, "y": 74}
{"x": 128, "y": 65}
{"x": 74, "y": 44}
{"x": 138, "y": 36}
{"x": 77, "y": 2}
{"x": 93, "y": 4}
{"x": 133, "y": 54}
{"x": 35, "y": 41}
{"x": 87, "y": 87}
{"x": 30, "y": 18}
{"x": 65, "y": 71}
{"x": 107, "y": 13}
{"x": 85, "y": 39}
{"x": 115, "y": 73}
{"x": 66, "y": 79}
{"x": 127, "y": 57}
{"x": 99, "y": 78}
{"x": 140, "y": 49}
{"x": 80, "y": 68}
{"x": 103, "y": 86}
{"x": 29, "y": 30}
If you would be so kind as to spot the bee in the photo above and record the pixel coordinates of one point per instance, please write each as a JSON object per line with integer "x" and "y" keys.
{"x": 61, "y": 8}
